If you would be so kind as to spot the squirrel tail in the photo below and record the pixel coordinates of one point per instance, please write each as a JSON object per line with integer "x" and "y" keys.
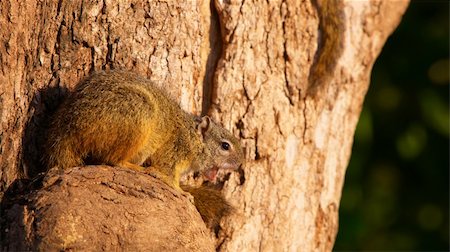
{"x": 61, "y": 153}
{"x": 210, "y": 203}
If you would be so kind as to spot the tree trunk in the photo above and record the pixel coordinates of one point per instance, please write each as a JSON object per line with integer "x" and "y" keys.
{"x": 251, "y": 65}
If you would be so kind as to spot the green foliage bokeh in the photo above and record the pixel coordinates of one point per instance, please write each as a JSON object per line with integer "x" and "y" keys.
{"x": 396, "y": 193}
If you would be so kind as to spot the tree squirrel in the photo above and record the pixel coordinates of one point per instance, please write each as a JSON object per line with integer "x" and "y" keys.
{"x": 121, "y": 119}
{"x": 332, "y": 28}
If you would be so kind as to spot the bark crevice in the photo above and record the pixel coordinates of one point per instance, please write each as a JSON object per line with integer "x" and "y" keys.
{"x": 214, "y": 55}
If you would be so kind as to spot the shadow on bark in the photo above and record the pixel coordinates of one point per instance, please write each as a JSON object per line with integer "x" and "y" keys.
{"x": 42, "y": 107}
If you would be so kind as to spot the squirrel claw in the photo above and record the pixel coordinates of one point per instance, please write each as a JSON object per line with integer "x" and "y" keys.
{"x": 154, "y": 173}
{"x": 188, "y": 196}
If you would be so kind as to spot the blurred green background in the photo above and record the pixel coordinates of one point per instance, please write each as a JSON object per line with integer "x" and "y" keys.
{"x": 396, "y": 192}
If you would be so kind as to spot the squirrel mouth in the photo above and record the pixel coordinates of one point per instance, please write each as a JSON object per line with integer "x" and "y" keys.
{"x": 211, "y": 174}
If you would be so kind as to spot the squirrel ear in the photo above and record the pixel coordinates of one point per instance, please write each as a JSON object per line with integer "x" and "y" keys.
{"x": 203, "y": 125}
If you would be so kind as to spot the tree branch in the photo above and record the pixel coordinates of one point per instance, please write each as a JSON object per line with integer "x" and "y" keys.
{"x": 103, "y": 208}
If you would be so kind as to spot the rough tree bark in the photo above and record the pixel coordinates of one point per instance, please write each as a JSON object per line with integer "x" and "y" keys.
{"x": 246, "y": 63}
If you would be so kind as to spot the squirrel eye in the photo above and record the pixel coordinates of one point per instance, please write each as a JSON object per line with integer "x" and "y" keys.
{"x": 225, "y": 145}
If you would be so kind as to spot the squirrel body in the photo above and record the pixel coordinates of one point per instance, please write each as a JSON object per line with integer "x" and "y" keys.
{"x": 121, "y": 119}
{"x": 331, "y": 15}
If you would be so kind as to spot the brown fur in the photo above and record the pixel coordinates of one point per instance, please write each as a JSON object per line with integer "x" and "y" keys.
{"x": 212, "y": 207}
{"x": 331, "y": 44}
{"x": 120, "y": 119}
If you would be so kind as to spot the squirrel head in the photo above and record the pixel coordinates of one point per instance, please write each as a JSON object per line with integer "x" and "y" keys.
{"x": 221, "y": 149}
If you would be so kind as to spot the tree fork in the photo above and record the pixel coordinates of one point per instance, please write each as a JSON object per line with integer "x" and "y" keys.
{"x": 297, "y": 143}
